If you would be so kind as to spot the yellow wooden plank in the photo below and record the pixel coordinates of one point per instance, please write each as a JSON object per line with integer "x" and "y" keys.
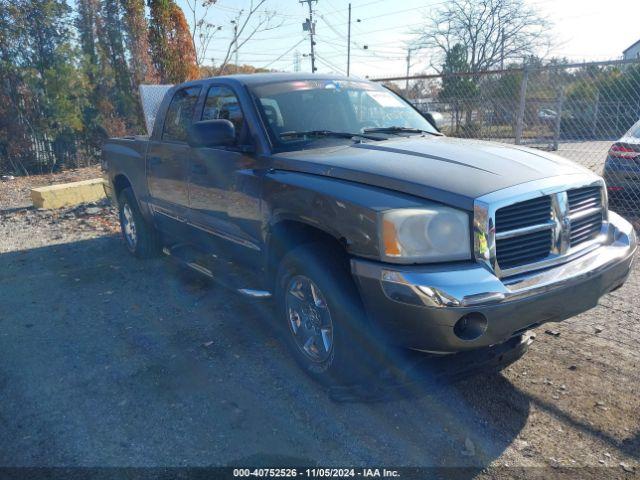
{"x": 68, "y": 194}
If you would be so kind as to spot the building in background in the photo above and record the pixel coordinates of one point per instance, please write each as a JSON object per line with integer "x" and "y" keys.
{"x": 633, "y": 52}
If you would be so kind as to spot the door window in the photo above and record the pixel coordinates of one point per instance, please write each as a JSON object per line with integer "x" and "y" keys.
{"x": 222, "y": 103}
{"x": 180, "y": 114}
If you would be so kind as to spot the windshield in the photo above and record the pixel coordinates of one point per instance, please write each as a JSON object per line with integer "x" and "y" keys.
{"x": 344, "y": 106}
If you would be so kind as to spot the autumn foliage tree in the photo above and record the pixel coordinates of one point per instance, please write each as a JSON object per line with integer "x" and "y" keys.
{"x": 70, "y": 69}
{"x": 137, "y": 31}
{"x": 172, "y": 47}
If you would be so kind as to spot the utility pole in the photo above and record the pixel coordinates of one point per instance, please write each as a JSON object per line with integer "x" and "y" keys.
{"x": 349, "y": 43}
{"x": 522, "y": 105}
{"x": 235, "y": 42}
{"x": 502, "y": 48}
{"x": 310, "y": 26}
{"x": 296, "y": 61}
{"x": 406, "y": 86}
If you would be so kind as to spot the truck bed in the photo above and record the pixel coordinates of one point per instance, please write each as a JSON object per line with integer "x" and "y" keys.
{"x": 125, "y": 156}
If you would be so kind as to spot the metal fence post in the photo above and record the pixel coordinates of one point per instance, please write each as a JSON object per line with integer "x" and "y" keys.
{"x": 522, "y": 105}
{"x": 558, "y": 119}
{"x": 596, "y": 113}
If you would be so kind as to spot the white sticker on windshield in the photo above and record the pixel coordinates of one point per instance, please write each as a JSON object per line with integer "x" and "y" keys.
{"x": 334, "y": 85}
{"x": 384, "y": 99}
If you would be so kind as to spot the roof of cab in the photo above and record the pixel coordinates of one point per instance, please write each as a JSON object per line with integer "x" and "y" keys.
{"x": 263, "y": 78}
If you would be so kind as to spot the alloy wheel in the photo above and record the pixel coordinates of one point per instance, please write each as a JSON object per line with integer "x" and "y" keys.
{"x": 309, "y": 319}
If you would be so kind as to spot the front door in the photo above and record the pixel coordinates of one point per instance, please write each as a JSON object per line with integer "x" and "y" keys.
{"x": 168, "y": 163}
{"x": 223, "y": 189}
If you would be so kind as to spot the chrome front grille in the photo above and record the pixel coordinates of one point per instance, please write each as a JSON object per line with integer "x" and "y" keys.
{"x": 553, "y": 221}
{"x": 523, "y": 232}
{"x": 524, "y": 214}
{"x": 523, "y": 249}
{"x": 586, "y": 228}
{"x": 581, "y": 199}
{"x": 585, "y": 211}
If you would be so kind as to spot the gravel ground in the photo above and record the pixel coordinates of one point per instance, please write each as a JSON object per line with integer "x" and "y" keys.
{"x": 106, "y": 360}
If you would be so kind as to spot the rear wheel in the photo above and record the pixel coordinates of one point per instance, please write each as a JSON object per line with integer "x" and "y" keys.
{"x": 321, "y": 318}
{"x": 141, "y": 238}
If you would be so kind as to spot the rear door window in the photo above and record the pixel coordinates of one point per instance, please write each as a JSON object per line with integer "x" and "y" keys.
{"x": 180, "y": 114}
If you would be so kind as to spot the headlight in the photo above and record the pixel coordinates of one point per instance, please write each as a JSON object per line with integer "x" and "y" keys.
{"x": 432, "y": 234}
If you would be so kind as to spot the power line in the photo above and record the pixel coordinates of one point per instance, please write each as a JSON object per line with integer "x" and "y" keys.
{"x": 362, "y": 5}
{"x": 263, "y": 54}
{"x": 364, "y": 54}
{"x": 340, "y": 53}
{"x": 289, "y": 50}
{"x": 330, "y": 65}
{"x": 354, "y": 26}
{"x": 395, "y": 27}
{"x": 264, "y": 12}
{"x": 395, "y": 12}
{"x": 363, "y": 47}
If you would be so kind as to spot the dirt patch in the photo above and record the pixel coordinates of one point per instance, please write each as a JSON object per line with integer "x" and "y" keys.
{"x": 15, "y": 193}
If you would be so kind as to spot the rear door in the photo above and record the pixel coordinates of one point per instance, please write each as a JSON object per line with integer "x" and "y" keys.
{"x": 168, "y": 163}
{"x": 223, "y": 189}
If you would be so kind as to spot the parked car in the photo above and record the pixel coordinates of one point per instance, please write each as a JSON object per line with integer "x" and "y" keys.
{"x": 622, "y": 172}
{"x": 547, "y": 115}
{"x": 435, "y": 118}
{"x": 338, "y": 201}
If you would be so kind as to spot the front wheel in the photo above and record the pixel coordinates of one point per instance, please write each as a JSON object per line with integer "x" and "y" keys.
{"x": 141, "y": 237}
{"x": 321, "y": 317}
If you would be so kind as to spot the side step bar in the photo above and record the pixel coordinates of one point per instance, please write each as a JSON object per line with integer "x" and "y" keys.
{"x": 246, "y": 292}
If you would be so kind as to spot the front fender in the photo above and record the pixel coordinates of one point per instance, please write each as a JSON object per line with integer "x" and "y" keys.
{"x": 345, "y": 210}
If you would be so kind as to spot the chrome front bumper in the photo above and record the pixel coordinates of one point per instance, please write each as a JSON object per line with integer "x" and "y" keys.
{"x": 419, "y": 305}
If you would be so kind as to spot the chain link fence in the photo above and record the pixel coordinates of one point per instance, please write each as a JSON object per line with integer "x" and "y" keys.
{"x": 151, "y": 97}
{"x": 36, "y": 152}
{"x": 587, "y": 112}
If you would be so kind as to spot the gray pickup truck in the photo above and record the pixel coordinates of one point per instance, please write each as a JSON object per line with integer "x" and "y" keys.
{"x": 342, "y": 203}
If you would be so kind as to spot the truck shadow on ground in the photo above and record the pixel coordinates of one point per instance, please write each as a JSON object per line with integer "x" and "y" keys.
{"x": 107, "y": 360}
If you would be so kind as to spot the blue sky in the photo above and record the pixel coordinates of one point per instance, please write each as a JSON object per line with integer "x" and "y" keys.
{"x": 582, "y": 30}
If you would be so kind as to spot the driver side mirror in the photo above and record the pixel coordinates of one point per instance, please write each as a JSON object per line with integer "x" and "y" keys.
{"x": 211, "y": 133}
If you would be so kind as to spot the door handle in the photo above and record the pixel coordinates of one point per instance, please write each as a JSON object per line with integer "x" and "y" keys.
{"x": 155, "y": 160}
{"x": 199, "y": 169}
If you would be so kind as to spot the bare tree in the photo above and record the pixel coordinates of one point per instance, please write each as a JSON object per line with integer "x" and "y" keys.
{"x": 202, "y": 30}
{"x": 490, "y": 31}
{"x": 245, "y": 29}
{"x": 246, "y": 24}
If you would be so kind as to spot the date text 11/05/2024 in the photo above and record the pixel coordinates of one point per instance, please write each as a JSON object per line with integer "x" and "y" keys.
{"x": 316, "y": 472}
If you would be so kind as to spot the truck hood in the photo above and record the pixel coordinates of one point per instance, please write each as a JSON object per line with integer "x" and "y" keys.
{"x": 444, "y": 169}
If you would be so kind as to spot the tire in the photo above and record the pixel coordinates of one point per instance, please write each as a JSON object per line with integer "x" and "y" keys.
{"x": 140, "y": 237}
{"x": 353, "y": 346}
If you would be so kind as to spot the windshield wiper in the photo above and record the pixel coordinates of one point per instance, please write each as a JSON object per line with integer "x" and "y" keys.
{"x": 326, "y": 133}
{"x": 399, "y": 130}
